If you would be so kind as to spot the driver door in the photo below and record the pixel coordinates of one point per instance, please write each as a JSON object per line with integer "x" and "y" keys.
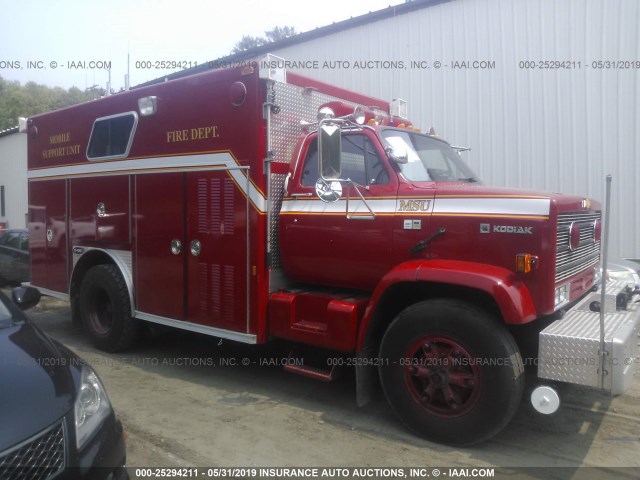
{"x": 328, "y": 244}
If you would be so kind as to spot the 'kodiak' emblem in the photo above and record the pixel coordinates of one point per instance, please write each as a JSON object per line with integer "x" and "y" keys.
{"x": 512, "y": 229}
{"x": 414, "y": 205}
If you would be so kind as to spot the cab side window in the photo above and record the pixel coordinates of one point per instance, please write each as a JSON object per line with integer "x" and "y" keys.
{"x": 360, "y": 162}
{"x": 310, "y": 171}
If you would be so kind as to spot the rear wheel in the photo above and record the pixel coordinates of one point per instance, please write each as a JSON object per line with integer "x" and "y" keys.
{"x": 105, "y": 309}
{"x": 451, "y": 371}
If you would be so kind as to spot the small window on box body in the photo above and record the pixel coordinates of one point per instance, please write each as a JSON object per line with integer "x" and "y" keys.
{"x": 111, "y": 136}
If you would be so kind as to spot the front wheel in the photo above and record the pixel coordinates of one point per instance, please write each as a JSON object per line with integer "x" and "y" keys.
{"x": 105, "y": 309}
{"x": 451, "y": 371}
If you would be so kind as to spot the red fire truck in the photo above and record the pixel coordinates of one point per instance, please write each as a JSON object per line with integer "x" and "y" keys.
{"x": 252, "y": 203}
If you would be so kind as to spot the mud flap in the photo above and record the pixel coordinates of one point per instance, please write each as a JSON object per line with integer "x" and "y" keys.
{"x": 367, "y": 383}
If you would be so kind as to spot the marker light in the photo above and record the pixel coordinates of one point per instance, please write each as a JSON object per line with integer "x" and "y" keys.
{"x": 148, "y": 106}
{"x": 525, "y": 262}
{"x": 237, "y": 93}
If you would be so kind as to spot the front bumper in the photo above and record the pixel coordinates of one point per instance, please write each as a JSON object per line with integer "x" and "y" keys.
{"x": 570, "y": 347}
{"x": 51, "y": 454}
{"x": 104, "y": 456}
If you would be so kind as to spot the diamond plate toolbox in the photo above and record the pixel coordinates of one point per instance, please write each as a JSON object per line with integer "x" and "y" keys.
{"x": 570, "y": 347}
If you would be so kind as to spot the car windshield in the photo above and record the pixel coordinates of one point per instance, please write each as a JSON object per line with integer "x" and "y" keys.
{"x": 428, "y": 159}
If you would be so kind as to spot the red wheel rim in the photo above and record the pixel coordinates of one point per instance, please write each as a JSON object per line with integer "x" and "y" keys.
{"x": 442, "y": 376}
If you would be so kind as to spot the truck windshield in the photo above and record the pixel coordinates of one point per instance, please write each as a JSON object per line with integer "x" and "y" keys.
{"x": 428, "y": 159}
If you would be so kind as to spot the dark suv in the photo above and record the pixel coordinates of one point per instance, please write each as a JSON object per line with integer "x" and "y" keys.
{"x": 56, "y": 420}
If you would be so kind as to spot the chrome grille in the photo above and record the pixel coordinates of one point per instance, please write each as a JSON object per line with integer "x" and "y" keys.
{"x": 569, "y": 262}
{"x": 39, "y": 458}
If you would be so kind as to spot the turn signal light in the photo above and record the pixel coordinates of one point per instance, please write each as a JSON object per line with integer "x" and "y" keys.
{"x": 525, "y": 262}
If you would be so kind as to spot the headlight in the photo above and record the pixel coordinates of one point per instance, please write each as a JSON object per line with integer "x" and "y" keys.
{"x": 92, "y": 406}
{"x": 626, "y": 276}
{"x": 561, "y": 295}
{"x": 597, "y": 275}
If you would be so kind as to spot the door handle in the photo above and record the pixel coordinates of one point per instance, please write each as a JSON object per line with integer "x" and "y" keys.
{"x": 176, "y": 246}
{"x": 195, "y": 247}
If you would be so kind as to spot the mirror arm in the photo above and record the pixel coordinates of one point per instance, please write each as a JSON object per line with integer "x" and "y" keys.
{"x": 358, "y": 217}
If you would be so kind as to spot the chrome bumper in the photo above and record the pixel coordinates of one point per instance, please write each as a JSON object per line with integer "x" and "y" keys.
{"x": 570, "y": 347}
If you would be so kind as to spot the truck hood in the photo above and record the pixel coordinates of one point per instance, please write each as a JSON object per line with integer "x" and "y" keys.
{"x": 37, "y": 387}
{"x": 563, "y": 202}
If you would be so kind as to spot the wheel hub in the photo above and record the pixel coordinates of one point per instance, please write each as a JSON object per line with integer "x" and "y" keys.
{"x": 442, "y": 375}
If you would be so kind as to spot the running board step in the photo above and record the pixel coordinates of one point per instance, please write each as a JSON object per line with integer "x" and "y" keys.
{"x": 310, "y": 366}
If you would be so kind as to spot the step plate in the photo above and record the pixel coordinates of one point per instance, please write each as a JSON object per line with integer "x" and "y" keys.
{"x": 570, "y": 347}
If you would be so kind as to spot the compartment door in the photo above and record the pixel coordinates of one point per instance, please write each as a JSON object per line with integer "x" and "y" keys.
{"x": 217, "y": 250}
{"x": 48, "y": 234}
{"x": 159, "y": 221}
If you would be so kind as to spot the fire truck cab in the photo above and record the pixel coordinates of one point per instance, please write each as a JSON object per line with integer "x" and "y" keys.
{"x": 251, "y": 203}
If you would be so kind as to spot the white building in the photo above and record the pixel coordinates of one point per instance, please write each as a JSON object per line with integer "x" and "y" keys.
{"x": 13, "y": 179}
{"x": 544, "y": 92}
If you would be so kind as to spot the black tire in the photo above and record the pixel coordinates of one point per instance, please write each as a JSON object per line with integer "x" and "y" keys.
{"x": 451, "y": 371}
{"x": 105, "y": 309}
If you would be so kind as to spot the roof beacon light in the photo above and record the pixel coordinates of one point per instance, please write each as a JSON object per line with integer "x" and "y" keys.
{"x": 148, "y": 106}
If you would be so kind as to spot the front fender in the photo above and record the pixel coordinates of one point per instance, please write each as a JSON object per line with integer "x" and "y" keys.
{"x": 509, "y": 292}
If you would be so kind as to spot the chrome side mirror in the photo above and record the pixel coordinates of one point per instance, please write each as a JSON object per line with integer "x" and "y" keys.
{"x": 397, "y": 154}
{"x": 329, "y": 151}
{"x": 328, "y": 191}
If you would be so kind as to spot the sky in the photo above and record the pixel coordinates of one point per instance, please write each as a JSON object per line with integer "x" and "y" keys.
{"x": 68, "y": 43}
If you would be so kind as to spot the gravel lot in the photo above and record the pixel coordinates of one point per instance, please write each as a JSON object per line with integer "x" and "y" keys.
{"x": 180, "y": 407}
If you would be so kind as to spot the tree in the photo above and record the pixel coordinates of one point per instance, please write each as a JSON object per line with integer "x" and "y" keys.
{"x": 248, "y": 42}
{"x": 32, "y": 98}
{"x": 279, "y": 33}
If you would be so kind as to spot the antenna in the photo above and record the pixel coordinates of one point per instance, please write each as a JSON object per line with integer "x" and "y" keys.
{"x": 109, "y": 84}
{"x": 126, "y": 77}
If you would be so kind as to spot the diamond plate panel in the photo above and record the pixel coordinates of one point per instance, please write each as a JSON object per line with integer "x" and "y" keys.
{"x": 570, "y": 347}
{"x": 295, "y": 104}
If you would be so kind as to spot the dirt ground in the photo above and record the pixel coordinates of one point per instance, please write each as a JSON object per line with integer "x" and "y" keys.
{"x": 181, "y": 407}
